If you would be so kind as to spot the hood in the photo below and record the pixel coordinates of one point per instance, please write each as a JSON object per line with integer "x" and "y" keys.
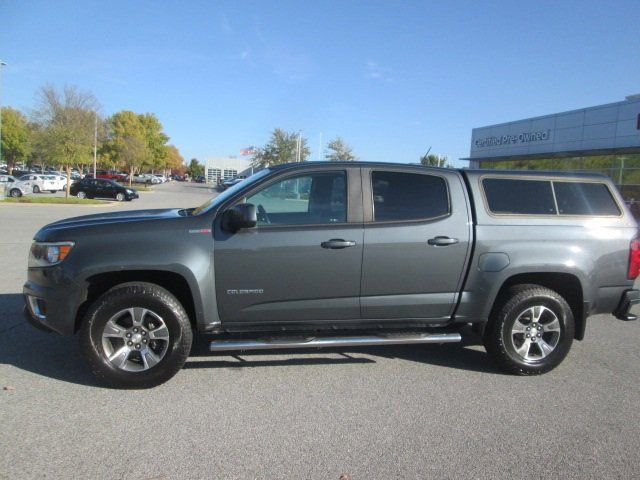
{"x": 109, "y": 219}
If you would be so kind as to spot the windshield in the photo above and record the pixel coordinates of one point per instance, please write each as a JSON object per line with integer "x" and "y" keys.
{"x": 209, "y": 204}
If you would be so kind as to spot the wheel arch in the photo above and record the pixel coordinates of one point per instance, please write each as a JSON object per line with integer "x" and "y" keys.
{"x": 565, "y": 284}
{"x": 174, "y": 282}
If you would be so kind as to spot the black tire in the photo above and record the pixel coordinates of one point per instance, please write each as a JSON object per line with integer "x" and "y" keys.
{"x": 16, "y": 193}
{"x": 500, "y": 338}
{"x": 120, "y": 197}
{"x": 36, "y": 189}
{"x": 144, "y": 295}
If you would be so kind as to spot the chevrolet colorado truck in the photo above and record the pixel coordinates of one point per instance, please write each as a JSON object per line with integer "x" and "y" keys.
{"x": 341, "y": 254}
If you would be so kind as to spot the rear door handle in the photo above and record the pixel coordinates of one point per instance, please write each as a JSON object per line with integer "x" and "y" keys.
{"x": 336, "y": 243}
{"x": 442, "y": 241}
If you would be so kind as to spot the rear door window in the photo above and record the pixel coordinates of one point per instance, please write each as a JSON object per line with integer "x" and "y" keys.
{"x": 585, "y": 198}
{"x": 509, "y": 196}
{"x": 401, "y": 196}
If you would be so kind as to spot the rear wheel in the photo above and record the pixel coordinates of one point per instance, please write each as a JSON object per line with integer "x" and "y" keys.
{"x": 531, "y": 332}
{"x": 137, "y": 335}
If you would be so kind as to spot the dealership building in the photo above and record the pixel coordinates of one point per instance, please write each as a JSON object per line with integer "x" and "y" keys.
{"x": 604, "y": 138}
{"x": 218, "y": 169}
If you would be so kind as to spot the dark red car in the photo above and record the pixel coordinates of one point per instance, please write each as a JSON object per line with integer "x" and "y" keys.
{"x": 111, "y": 175}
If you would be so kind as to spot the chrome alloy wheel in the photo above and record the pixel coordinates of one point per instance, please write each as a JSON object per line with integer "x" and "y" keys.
{"x": 135, "y": 339}
{"x": 535, "y": 333}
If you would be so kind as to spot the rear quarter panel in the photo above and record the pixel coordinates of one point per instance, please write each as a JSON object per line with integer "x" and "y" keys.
{"x": 593, "y": 249}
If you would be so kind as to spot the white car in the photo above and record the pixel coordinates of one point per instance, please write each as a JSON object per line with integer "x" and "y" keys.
{"x": 14, "y": 187}
{"x": 40, "y": 183}
{"x": 59, "y": 180}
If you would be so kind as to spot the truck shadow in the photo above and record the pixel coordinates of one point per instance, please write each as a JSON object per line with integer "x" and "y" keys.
{"x": 57, "y": 357}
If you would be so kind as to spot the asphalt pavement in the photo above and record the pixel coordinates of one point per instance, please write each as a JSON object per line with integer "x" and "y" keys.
{"x": 373, "y": 413}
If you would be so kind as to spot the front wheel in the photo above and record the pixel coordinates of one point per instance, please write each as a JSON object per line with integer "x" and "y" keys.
{"x": 15, "y": 193}
{"x": 120, "y": 197}
{"x": 36, "y": 189}
{"x": 136, "y": 335}
{"x": 531, "y": 332}
{"x": 81, "y": 194}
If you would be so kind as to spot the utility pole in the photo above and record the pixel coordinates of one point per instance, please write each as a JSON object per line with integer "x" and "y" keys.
{"x": 95, "y": 145}
{"x": 2, "y": 64}
{"x": 299, "y": 147}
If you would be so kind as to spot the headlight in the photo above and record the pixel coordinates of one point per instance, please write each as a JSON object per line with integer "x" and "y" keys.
{"x": 45, "y": 254}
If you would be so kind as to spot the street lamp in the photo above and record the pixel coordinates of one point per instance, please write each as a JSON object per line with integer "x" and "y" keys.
{"x": 2, "y": 64}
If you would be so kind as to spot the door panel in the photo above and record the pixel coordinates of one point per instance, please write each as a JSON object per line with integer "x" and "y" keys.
{"x": 404, "y": 274}
{"x": 282, "y": 273}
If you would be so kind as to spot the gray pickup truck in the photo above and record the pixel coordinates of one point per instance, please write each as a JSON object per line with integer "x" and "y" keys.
{"x": 342, "y": 254}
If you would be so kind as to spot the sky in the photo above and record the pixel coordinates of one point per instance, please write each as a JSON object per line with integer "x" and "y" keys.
{"x": 392, "y": 78}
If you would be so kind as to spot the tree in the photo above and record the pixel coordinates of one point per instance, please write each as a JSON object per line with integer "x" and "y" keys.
{"x": 195, "y": 168}
{"x": 173, "y": 159}
{"x": 281, "y": 148}
{"x": 66, "y": 125}
{"x": 340, "y": 151}
{"x": 16, "y": 137}
{"x": 432, "y": 160}
{"x": 156, "y": 140}
{"x": 127, "y": 144}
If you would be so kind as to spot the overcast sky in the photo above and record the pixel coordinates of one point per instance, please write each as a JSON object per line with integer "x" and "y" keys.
{"x": 392, "y": 78}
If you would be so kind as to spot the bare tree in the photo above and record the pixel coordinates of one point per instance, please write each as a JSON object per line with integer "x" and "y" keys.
{"x": 66, "y": 119}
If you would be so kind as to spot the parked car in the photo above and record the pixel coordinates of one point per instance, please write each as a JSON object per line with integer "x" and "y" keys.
{"x": 13, "y": 187}
{"x": 60, "y": 181}
{"x": 101, "y": 188}
{"x": 200, "y": 179}
{"x": 111, "y": 175}
{"x": 230, "y": 183}
{"x": 40, "y": 183}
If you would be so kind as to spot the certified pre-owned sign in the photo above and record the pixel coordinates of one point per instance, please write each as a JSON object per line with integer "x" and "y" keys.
{"x": 524, "y": 137}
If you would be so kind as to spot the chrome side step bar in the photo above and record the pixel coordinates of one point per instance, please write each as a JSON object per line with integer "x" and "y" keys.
{"x": 345, "y": 341}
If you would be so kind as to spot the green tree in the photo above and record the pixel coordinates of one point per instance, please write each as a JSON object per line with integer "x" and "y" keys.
{"x": 340, "y": 151}
{"x": 16, "y": 137}
{"x": 127, "y": 145}
{"x": 195, "y": 168}
{"x": 156, "y": 140}
{"x": 433, "y": 160}
{"x": 66, "y": 126}
{"x": 281, "y": 148}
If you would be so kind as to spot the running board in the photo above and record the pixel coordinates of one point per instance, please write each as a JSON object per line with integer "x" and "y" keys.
{"x": 319, "y": 342}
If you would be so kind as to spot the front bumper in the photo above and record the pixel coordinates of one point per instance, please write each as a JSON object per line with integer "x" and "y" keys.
{"x": 625, "y": 310}
{"x": 52, "y": 300}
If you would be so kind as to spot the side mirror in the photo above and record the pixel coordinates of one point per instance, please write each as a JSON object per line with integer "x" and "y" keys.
{"x": 243, "y": 215}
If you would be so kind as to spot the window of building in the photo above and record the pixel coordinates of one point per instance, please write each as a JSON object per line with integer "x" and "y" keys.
{"x": 408, "y": 196}
{"x": 316, "y": 198}
{"x": 519, "y": 196}
{"x": 229, "y": 173}
{"x": 214, "y": 175}
{"x": 584, "y": 198}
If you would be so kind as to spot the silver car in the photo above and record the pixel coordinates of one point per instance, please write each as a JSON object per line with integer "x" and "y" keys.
{"x": 13, "y": 187}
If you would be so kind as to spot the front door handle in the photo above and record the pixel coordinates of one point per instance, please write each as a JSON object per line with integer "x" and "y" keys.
{"x": 441, "y": 241}
{"x": 336, "y": 243}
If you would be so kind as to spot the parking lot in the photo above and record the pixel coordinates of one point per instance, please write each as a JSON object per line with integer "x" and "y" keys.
{"x": 374, "y": 413}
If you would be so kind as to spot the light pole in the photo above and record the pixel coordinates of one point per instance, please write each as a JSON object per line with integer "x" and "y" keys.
{"x": 95, "y": 144}
{"x": 2, "y": 64}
